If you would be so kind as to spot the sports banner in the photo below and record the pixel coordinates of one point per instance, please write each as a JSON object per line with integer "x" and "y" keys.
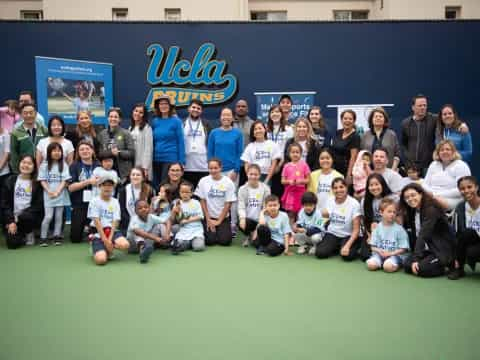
{"x": 361, "y": 110}
{"x": 302, "y": 102}
{"x": 65, "y": 87}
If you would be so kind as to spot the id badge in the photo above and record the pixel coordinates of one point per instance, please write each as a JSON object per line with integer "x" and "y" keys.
{"x": 193, "y": 147}
{"x": 87, "y": 195}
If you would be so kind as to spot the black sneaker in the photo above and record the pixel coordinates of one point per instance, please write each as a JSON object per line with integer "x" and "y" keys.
{"x": 57, "y": 241}
{"x": 43, "y": 243}
{"x": 456, "y": 274}
{"x": 260, "y": 251}
{"x": 145, "y": 254}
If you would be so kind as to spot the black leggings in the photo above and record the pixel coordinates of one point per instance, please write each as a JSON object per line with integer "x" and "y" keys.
{"x": 194, "y": 177}
{"x": 222, "y": 234}
{"x": 250, "y": 226}
{"x": 331, "y": 245}
{"x": 24, "y": 226}
{"x": 428, "y": 266}
{"x": 79, "y": 221}
{"x": 264, "y": 239}
{"x": 468, "y": 248}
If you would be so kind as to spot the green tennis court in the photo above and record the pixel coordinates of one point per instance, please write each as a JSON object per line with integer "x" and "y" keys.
{"x": 227, "y": 303}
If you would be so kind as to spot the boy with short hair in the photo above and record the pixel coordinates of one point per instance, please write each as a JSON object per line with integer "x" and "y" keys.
{"x": 273, "y": 231}
{"x": 104, "y": 211}
{"x": 308, "y": 230}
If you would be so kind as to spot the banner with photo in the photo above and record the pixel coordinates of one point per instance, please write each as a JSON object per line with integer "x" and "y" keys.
{"x": 65, "y": 87}
{"x": 302, "y": 102}
{"x": 363, "y": 112}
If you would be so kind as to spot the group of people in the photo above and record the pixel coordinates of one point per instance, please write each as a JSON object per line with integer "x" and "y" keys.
{"x": 178, "y": 184}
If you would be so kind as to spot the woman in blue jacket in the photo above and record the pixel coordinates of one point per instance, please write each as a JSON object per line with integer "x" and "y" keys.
{"x": 448, "y": 129}
{"x": 168, "y": 143}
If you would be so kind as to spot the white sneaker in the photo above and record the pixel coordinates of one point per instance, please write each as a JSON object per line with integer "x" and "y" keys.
{"x": 301, "y": 250}
{"x": 30, "y": 239}
{"x": 311, "y": 251}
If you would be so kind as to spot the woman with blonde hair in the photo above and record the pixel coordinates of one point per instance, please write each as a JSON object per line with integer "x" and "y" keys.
{"x": 83, "y": 131}
{"x": 443, "y": 174}
{"x": 303, "y": 135}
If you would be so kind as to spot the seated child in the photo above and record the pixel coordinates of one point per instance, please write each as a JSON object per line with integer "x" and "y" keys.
{"x": 389, "y": 240}
{"x": 250, "y": 201}
{"x": 104, "y": 211}
{"x": 189, "y": 215}
{"x": 273, "y": 231}
{"x": 139, "y": 232}
{"x": 308, "y": 230}
{"x": 161, "y": 206}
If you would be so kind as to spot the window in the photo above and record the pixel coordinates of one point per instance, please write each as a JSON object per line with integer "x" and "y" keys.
{"x": 173, "y": 14}
{"x": 268, "y": 16}
{"x": 119, "y": 14}
{"x": 31, "y": 14}
{"x": 349, "y": 15}
{"x": 452, "y": 12}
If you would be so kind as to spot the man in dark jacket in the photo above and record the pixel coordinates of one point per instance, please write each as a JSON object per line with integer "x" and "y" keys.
{"x": 418, "y": 135}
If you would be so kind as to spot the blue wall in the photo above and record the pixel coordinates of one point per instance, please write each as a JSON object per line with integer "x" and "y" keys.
{"x": 346, "y": 63}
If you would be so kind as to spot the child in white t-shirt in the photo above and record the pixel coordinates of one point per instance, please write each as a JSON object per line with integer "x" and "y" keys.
{"x": 216, "y": 193}
{"x": 188, "y": 213}
{"x": 105, "y": 170}
{"x": 251, "y": 197}
{"x": 104, "y": 211}
{"x": 262, "y": 152}
{"x": 308, "y": 230}
{"x": 273, "y": 231}
{"x": 389, "y": 240}
{"x": 342, "y": 234}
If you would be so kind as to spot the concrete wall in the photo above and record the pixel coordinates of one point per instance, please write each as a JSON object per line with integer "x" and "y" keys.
{"x": 11, "y": 9}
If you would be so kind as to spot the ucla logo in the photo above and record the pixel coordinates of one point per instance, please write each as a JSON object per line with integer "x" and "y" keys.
{"x": 183, "y": 80}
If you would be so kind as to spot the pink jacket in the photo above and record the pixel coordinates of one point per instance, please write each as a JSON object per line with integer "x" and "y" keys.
{"x": 7, "y": 120}
{"x": 360, "y": 174}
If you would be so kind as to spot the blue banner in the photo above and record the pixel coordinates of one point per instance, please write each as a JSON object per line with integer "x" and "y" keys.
{"x": 65, "y": 87}
{"x": 302, "y": 101}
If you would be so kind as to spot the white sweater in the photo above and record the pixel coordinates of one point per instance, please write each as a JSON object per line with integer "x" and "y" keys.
{"x": 443, "y": 180}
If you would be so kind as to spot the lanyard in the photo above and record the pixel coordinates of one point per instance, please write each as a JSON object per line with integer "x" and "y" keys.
{"x": 275, "y": 137}
{"x": 192, "y": 132}
{"x": 133, "y": 194}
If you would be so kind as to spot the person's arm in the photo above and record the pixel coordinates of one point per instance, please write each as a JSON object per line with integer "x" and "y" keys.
{"x": 66, "y": 96}
{"x": 208, "y": 220}
{"x": 147, "y": 156}
{"x": 239, "y": 151}
{"x": 242, "y": 205}
{"x": 466, "y": 146}
{"x": 271, "y": 170}
{"x": 79, "y": 185}
{"x": 69, "y": 159}
{"x": 14, "y": 156}
{"x": 353, "y": 237}
{"x": 129, "y": 152}
{"x": 180, "y": 143}
{"x": 351, "y": 162}
{"x": 191, "y": 219}
{"x": 146, "y": 235}
{"x": 60, "y": 188}
{"x": 4, "y": 158}
{"x": 223, "y": 214}
{"x": 211, "y": 145}
{"x": 106, "y": 241}
{"x": 261, "y": 218}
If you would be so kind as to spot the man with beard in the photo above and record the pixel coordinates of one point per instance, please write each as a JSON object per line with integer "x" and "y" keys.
{"x": 195, "y": 130}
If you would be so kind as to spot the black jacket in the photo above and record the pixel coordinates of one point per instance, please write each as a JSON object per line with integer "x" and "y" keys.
{"x": 312, "y": 155}
{"x": 435, "y": 232}
{"x": 33, "y": 214}
{"x": 418, "y": 141}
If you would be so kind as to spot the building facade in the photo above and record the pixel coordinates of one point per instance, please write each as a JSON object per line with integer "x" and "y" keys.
{"x": 239, "y": 10}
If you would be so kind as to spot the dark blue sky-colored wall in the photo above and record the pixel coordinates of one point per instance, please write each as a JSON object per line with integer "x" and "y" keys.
{"x": 346, "y": 63}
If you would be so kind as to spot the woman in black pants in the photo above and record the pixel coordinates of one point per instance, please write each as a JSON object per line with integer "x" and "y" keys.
{"x": 429, "y": 232}
{"x": 22, "y": 204}
{"x": 80, "y": 188}
{"x": 467, "y": 221}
